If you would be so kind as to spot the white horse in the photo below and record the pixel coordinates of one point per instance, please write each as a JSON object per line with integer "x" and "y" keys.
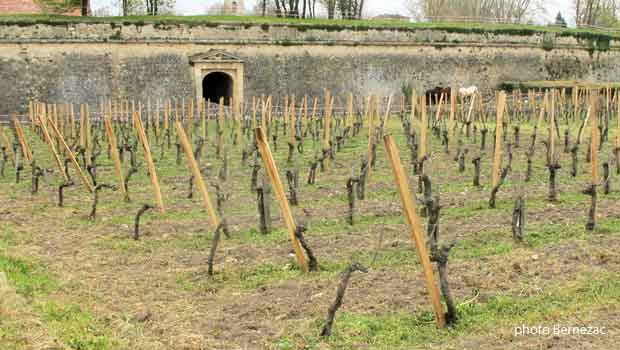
{"x": 468, "y": 91}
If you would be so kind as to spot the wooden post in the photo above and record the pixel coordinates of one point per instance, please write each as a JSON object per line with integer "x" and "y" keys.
{"x": 451, "y": 120}
{"x": 270, "y": 167}
{"x": 292, "y": 122}
{"x": 114, "y": 153}
{"x": 349, "y": 120}
{"x": 594, "y": 138}
{"x": 618, "y": 118}
{"x": 415, "y": 226}
{"x": 193, "y": 165}
{"x": 87, "y": 127}
{"x": 471, "y": 108}
{"x": 388, "y": 109}
{"x": 156, "y": 121}
{"x": 439, "y": 105}
{"x": 371, "y": 126}
{"x": 423, "y": 129}
{"x": 8, "y": 146}
{"x": 149, "y": 161}
{"x": 304, "y": 119}
{"x": 552, "y": 129}
{"x": 237, "y": 112}
{"x": 166, "y": 114}
{"x": 72, "y": 119}
{"x": 412, "y": 120}
{"x": 83, "y": 177}
{"x": 50, "y": 142}
{"x": 453, "y": 93}
{"x": 31, "y": 112}
{"x": 82, "y": 126}
{"x": 22, "y": 139}
{"x": 543, "y": 106}
{"x": 497, "y": 161}
{"x": 327, "y": 128}
{"x": 254, "y": 112}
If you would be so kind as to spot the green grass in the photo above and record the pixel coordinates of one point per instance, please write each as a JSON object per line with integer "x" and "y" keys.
{"x": 412, "y": 331}
{"x": 27, "y": 277}
{"x": 77, "y": 328}
{"x": 305, "y": 24}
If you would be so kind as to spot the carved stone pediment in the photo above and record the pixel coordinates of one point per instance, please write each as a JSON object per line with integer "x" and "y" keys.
{"x": 214, "y": 56}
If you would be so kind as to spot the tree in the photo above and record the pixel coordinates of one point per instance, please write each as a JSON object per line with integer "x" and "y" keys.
{"x": 155, "y": 7}
{"x": 262, "y": 7}
{"x": 559, "y": 20}
{"x": 596, "y": 12}
{"x": 287, "y": 8}
{"x": 330, "y": 6}
{"x": 84, "y": 7}
{"x": 505, "y": 10}
{"x": 216, "y": 8}
{"x": 351, "y": 9}
{"x": 148, "y": 7}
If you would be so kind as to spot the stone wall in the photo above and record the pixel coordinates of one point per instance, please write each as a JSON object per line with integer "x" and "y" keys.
{"x": 85, "y": 62}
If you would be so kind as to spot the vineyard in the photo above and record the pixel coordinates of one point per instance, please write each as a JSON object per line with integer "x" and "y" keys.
{"x": 348, "y": 222}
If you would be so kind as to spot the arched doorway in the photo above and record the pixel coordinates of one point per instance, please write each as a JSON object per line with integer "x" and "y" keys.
{"x": 217, "y": 85}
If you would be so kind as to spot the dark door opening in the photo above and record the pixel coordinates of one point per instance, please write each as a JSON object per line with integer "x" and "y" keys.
{"x": 217, "y": 85}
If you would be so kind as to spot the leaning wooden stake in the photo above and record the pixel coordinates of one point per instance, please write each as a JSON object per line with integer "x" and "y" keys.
{"x": 22, "y": 139}
{"x": 416, "y": 228}
{"x": 83, "y": 177}
{"x": 193, "y": 165}
{"x": 149, "y": 162}
{"x": 115, "y": 156}
{"x": 272, "y": 170}
{"x": 50, "y": 142}
{"x": 7, "y": 145}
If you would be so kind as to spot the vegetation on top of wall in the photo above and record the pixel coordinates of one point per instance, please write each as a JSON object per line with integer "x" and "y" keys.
{"x": 556, "y": 84}
{"x": 322, "y": 24}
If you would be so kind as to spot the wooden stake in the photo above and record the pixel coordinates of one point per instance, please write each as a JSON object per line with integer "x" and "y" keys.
{"x": 453, "y": 96}
{"x": 193, "y": 165}
{"x": 22, "y": 139}
{"x": 497, "y": 161}
{"x": 552, "y": 129}
{"x": 415, "y": 226}
{"x": 439, "y": 105}
{"x": 412, "y": 120}
{"x": 594, "y": 138}
{"x": 270, "y": 166}
{"x": 292, "y": 122}
{"x": 388, "y": 109}
{"x": 50, "y": 142}
{"x": 618, "y": 118}
{"x": 423, "y": 129}
{"x": 8, "y": 146}
{"x": 114, "y": 153}
{"x": 149, "y": 161}
{"x": 83, "y": 177}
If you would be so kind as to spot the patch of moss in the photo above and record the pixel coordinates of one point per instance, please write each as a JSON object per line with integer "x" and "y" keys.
{"x": 116, "y": 35}
{"x": 548, "y": 42}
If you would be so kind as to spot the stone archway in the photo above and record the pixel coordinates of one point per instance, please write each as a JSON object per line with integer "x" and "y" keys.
{"x": 220, "y": 73}
{"x": 217, "y": 85}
